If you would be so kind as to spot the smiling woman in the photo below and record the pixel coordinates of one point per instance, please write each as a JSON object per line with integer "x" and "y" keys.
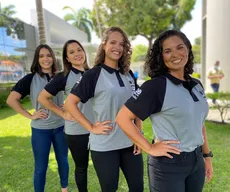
{"x": 46, "y": 127}
{"x": 177, "y": 108}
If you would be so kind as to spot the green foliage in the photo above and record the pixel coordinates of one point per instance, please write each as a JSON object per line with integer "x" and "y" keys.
{"x": 80, "y": 19}
{"x": 196, "y": 50}
{"x": 13, "y": 25}
{"x": 222, "y": 103}
{"x": 196, "y": 75}
{"x": 147, "y": 18}
{"x": 139, "y": 53}
{"x": 5, "y": 89}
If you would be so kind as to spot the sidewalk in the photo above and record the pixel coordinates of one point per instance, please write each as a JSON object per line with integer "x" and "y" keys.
{"x": 214, "y": 114}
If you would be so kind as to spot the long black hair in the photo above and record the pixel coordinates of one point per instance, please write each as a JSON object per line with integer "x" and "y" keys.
{"x": 35, "y": 67}
{"x": 154, "y": 64}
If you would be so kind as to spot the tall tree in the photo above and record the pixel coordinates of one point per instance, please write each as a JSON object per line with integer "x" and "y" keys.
{"x": 196, "y": 50}
{"x": 147, "y": 18}
{"x": 40, "y": 18}
{"x": 80, "y": 19}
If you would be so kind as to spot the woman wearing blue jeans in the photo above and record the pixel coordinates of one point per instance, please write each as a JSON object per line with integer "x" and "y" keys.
{"x": 47, "y": 128}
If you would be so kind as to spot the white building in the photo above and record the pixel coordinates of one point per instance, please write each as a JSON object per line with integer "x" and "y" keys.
{"x": 216, "y": 40}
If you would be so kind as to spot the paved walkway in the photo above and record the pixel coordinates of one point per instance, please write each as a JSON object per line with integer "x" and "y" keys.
{"x": 214, "y": 114}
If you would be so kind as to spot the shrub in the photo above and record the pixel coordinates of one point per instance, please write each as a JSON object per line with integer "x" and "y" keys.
{"x": 222, "y": 104}
{"x": 196, "y": 75}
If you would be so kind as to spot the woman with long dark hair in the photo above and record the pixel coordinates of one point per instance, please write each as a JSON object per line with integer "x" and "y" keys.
{"x": 47, "y": 127}
{"x": 77, "y": 137}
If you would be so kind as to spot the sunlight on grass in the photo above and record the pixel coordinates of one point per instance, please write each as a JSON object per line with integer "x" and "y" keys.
{"x": 16, "y": 158}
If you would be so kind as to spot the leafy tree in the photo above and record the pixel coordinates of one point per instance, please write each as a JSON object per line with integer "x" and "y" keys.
{"x": 13, "y": 25}
{"x": 5, "y": 14}
{"x": 147, "y": 18}
{"x": 196, "y": 50}
{"x": 139, "y": 53}
{"x": 80, "y": 19}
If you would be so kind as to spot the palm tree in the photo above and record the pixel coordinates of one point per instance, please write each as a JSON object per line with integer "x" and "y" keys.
{"x": 41, "y": 26}
{"x": 6, "y": 13}
{"x": 80, "y": 20}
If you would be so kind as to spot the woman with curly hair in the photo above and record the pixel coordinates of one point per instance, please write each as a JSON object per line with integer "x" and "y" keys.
{"x": 109, "y": 84}
{"x": 177, "y": 107}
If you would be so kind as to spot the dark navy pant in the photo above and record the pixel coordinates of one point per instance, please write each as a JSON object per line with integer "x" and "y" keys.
{"x": 41, "y": 142}
{"x": 215, "y": 87}
{"x": 183, "y": 173}
{"x": 108, "y": 163}
{"x": 78, "y": 145}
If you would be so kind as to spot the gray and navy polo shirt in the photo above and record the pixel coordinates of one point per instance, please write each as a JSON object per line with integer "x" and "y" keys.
{"x": 65, "y": 83}
{"x": 108, "y": 90}
{"x": 32, "y": 84}
{"x": 177, "y": 109}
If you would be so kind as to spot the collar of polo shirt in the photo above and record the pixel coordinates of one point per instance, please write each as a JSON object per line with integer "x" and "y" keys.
{"x": 109, "y": 69}
{"x": 76, "y": 70}
{"x": 188, "y": 84}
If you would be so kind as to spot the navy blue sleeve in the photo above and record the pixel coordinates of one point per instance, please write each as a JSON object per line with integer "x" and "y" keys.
{"x": 148, "y": 99}
{"x": 23, "y": 85}
{"x": 57, "y": 84}
{"x": 86, "y": 87}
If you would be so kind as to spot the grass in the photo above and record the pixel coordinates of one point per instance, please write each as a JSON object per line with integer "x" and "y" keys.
{"x": 16, "y": 159}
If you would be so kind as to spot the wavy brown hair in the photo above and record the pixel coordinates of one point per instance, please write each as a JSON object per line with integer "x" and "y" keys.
{"x": 66, "y": 63}
{"x": 154, "y": 64}
{"x": 35, "y": 67}
{"x": 124, "y": 61}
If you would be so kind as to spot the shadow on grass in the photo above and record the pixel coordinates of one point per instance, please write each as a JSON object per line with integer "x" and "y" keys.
{"x": 7, "y": 111}
{"x": 17, "y": 165}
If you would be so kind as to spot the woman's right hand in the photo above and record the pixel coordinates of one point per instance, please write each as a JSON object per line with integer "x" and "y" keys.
{"x": 163, "y": 148}
{"x": 40, "y": 114}
{"x": 102, "y": 128}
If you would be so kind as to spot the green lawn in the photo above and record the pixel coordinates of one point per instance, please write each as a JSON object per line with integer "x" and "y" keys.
{"x": 16, "y": 160}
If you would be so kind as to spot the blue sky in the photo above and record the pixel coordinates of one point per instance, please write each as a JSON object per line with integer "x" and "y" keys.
{"x": 192, "y": 28}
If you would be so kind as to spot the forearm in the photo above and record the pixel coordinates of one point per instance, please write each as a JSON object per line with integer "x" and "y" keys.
{"x": 16, "y": 105}
{"x": 132, "y": 131}
{"x": 138, "y": 124}
{"x": 49, "y": 104}
{"x": 73, "y": 109}
{"x": 205, "y": 147}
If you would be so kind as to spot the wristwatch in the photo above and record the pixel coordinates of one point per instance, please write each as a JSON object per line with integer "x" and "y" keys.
{"x": 210, "y": 154}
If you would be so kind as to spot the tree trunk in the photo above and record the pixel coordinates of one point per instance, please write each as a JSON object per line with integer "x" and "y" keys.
{"x": 40, "y": 18}
{"x": 98, "y": 20}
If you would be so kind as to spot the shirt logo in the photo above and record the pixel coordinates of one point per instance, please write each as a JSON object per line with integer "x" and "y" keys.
{"x": 137, "y": 93}
{"x": 78, "y": 81}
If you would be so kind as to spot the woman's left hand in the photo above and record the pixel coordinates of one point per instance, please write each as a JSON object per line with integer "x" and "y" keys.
{"x": 208, "y": 169}
{"x": 136, "y": 150}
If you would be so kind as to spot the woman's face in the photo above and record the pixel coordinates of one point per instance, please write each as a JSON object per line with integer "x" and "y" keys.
{"x": 45, "y": 59}
{"x": 75, "y": 54}
{"x": 175, "y": 53}
{"x": 114, "y": 46}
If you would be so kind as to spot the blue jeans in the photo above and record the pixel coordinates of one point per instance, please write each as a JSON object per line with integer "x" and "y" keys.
{"x": 215, "y": 87}
{"x": 41, "y": 142}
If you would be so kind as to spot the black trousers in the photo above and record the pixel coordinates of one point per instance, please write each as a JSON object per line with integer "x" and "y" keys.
{"x": 78, "y": 145}
{"x": 183, "y": 173}
{"x": 107, "y": 166}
